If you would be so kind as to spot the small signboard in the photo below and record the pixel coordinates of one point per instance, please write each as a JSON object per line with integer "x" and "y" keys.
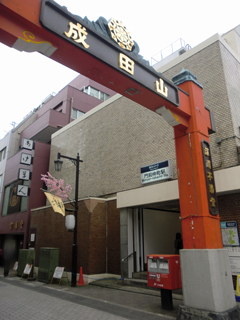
{"x": 234, "y": 259}
{"x": 230, "y": 235}
{"x": 27, "y": 269}
{"x": 22, "y": 191}
{"x": 27, "y": 144}
{"x": 58, "y": 272}
{"x": 156, "y": 172}
{"x": 24, "y": 174}
{"x": 15, "y": 267}
{"x": 26, "y": 159}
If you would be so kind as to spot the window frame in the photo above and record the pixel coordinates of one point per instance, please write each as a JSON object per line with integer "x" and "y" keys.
{"x": 100, "y": 94}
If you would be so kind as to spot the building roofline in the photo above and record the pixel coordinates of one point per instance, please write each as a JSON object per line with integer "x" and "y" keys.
{"x": 216, "y": 37}
{"x": 80, "y": 199}
{"x": 87, "y": 114}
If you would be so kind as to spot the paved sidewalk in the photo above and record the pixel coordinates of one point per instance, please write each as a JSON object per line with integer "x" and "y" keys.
{"x": 103, "y": 299}
{"x": 22, "y": 304}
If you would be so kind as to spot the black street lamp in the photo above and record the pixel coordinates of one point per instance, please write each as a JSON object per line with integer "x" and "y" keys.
{"x": 58, "y": 166}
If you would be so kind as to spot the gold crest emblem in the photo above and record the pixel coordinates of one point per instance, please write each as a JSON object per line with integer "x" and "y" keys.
{"x": 120, "y": 34}
{"x": 13, "y": 197}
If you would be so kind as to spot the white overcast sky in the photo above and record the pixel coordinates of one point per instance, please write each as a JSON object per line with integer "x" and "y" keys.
{"x": 27, "y": 78}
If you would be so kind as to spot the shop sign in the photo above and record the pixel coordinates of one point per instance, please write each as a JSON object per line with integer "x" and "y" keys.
{"x": 27, "y": 144}
{"x": 210, "y": 184}
{"x": 156, "y": 172}
{"x": 109, "y": 42}
{"x": 22, "y": 191}
{"x": 16, "y": 224}
{"x": 24, "y": 174}
{"x": 26, "y": 159}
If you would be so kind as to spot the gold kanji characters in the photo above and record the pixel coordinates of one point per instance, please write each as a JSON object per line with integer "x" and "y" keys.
{"x": 159, "y": 86}
{"x": 209, "y": 176}
{"x": 211, "y": 188}
{"x": 208, "y": 164}
{"x": 213, "y": 202}
{"x": 126, "y": 63}
{"x": 206, "y": 151}
{"x": 77, "y": 33}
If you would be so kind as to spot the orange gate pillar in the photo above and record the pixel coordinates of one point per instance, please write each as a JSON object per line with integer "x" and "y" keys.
{"x": 206, "y": 275}
{"x": 199, "y": 213}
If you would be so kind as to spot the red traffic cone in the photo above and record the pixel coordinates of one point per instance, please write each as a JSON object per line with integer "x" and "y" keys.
{"x": 80, "y": 280}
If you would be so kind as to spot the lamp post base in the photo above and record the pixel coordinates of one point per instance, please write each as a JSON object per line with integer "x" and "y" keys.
{"x": 74, "y": 266}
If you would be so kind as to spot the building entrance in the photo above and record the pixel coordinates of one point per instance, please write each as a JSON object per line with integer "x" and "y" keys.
{"x": 147, "y": 230}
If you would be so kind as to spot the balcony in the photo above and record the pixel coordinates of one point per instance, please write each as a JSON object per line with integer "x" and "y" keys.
{"x": 45, "y": 126}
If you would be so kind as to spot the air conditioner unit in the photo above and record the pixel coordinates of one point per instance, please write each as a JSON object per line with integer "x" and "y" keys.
{"x": 48, "y": 261}
{"x": 181, "y": 51}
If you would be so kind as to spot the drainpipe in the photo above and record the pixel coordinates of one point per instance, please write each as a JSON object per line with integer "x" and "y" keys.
{"x": 106, "y": 237}
{"x": 71, "y": 106}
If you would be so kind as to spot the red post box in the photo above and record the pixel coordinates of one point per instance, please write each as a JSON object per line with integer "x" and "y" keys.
{"x": 164, "y": 271}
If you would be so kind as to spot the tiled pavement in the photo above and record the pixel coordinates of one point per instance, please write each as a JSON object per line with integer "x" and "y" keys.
{"x": 26, "y": 300}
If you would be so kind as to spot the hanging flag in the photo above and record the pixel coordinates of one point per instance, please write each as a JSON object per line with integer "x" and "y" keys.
{"x": 56, "y": 203}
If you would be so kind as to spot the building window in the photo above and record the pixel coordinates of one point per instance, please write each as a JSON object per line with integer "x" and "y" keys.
{"x": 96, "y": 93}
{"x": 2, "y": 154}
{"x": 11, "y": 202}
{"x": 58, "y": 106}
{"x": 6, "y": 201}
{"x": 1, "y": 181}
{"x": 76, "y": 113}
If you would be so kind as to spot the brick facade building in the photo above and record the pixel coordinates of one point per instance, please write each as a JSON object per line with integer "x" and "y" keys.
{"x": 98, "y": 235}
{"x": 56, "y": 111}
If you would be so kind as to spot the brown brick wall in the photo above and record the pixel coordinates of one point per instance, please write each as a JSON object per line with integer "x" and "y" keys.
{"x": 84, "y": 220}
{"x": 51, "y": 232}
{"x": 98, "y": 242}
{"x": 113, "y": 238}
{"x": 97, "y": 239}
{"x": 229, "y": 207}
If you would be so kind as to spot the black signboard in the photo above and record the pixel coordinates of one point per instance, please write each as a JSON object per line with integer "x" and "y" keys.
{"x": 99, "y": 40}
{"x": 210, "y": 183}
